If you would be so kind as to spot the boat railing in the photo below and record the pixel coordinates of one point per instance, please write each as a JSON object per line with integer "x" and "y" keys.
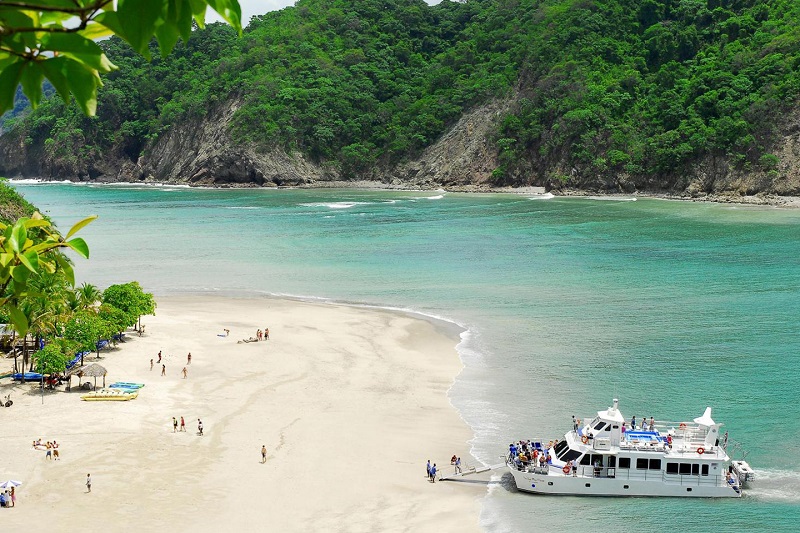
{"x": 585, "y": 471}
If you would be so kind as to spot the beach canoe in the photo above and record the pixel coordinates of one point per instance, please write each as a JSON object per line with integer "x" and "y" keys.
{"x": 125, "y": 385}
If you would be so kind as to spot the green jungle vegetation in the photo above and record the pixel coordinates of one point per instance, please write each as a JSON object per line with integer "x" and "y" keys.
{"x": 38, "y": 297}
{"x": 639, "y": 86}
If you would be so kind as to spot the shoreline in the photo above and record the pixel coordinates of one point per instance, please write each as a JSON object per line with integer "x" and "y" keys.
{"x": 350, "y": 402}
{"x": 760, "y": 199}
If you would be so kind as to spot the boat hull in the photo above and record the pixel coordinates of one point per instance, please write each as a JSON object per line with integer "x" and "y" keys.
{"x": 586, "y": 486}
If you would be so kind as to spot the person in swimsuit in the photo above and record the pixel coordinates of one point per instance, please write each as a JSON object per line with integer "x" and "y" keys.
{"x": 263, "y": 454}
{"x": 183, "y": 425}
{"x": 174, "y": 425}
{"x": 163, "y": 370}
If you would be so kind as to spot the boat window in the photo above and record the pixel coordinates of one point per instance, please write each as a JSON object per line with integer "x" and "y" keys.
{"x": 641, "y": 464}
{"x": 612, "y": 461}
{"x": 570, "y": 455}
{"x": 624, "y": 462}
{"x": 672, "y": 468}
{"x": 655, "y": 464}
{"x": 597, "y": 459}
{"x": 695, "y": 469}
{"x": 685, "y": 469}
{"x": 558, "y": 448}
{"x": 585, "y": 459}
{"x": 608, "y": 428}
{"x": 600, "y": 426}
{"x": 704, "y": 471}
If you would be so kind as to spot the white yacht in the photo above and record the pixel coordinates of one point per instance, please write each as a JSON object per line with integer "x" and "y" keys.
{"x": 605, "y": 457}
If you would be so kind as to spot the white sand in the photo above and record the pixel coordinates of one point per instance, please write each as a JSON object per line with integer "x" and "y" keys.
{"x": 349, "y": 402}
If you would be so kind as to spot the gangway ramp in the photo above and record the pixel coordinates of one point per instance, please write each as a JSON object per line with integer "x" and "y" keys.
{"x": 470, "y": 471}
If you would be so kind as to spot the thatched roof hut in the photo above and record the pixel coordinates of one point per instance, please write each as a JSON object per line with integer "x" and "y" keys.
{"x": 90, "y": 371}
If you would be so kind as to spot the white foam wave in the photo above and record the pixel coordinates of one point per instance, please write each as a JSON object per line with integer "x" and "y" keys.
{"x": 613, "y": 198}
{"x": 437, "y": 197}
{"x": 336, "y": 205}
{"x": 775, "y": 485}
{"x": 545, "y": 196}
{"x": 250, "y": 207}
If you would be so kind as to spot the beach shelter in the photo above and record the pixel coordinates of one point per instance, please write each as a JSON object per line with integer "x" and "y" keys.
{"x": 93, "y": 371}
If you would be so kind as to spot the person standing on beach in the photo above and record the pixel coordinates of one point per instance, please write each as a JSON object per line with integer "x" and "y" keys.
{"x": 433, "y": 473}
{"x": 428, "y": 469}
{"x": 184, "y": 372}
{"x": 266, "y": 334}
{"x": 183, "y": 425}
{"x": 189, "y": 359}
{"x": 13, "y": 496}
{"x": 458, "y": 465}
{"x": 263, "y": 453}
{"x": 199, "y": 427}
{"x": 174, "y": 425}
{"x": 88, "y": 483}
{"x": 159, "y": 357}
{"x": 55, "y": 451}
{"x": 151, "y": 365}
{"x": 163, "y": 370}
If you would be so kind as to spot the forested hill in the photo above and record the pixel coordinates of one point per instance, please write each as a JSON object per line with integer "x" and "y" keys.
{"x": 677, "y": 95}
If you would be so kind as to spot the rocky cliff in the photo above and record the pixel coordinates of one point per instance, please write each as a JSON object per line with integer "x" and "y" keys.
{"x": 202, "y": 152}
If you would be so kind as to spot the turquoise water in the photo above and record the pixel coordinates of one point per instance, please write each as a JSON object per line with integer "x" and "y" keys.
{"x": 669, "y": 306}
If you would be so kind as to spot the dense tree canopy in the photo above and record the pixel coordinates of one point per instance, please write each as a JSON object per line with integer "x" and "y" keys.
{"x": 607, "y": 86}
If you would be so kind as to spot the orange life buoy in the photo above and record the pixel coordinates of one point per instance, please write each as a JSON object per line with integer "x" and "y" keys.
{"x": 584, "y": 439}
{"x": 565, "y": 469}
{"x": 682, "y": 426}
{"x": 701, "y": 450}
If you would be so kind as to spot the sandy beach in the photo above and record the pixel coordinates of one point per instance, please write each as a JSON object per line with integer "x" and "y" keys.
{"x": 349, "y": 402}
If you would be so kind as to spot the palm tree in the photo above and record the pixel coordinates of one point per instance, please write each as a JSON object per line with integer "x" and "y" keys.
{"x": 88, "y": 296}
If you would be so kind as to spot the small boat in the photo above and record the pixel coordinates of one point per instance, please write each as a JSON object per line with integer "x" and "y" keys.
{"x": 603, "y": 457}
{"x": 28, "y": 376}
{"x": 118, "y": 395}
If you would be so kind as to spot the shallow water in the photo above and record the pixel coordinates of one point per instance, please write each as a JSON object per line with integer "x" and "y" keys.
{"x": 669, "y": 306}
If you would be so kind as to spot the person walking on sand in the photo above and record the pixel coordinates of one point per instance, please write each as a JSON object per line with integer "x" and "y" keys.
{"x": 266, "y": 334}
{"x": 189, "y": 359}
{"x": 263, "y": 453}
{"x": 159, "y": 357}
{"x": 163, "y": 370}
{"x": 184, "y": 372}
{"x": 151, "y": 365}
{"x": 428, "y": 470}
{"x": 88, "y": 483}
{"x": 199, "y": 427}
{"x": 55, "y": 451}
{"x": 174, "y": 425}
{"x": 433, "y": 473}
{"x": 183, "y": 425}
{"x": 458, "y": 465}
{"x": 49, "y": 451}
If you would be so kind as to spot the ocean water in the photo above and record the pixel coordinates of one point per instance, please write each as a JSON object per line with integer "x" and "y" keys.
{"x": 566, "y": 303}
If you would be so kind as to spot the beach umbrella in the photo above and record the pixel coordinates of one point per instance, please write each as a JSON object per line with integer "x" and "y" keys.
{"x": 10, "y": 483}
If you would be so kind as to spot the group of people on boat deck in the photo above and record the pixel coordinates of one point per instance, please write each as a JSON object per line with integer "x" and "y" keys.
{"x": 524, "y": 453}
{"x": 646, "y": 426}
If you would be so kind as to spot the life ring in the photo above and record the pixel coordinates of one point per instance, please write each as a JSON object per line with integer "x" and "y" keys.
{"x": 701, "y": 450}
{"x": 565, "y": 469}
{"x": 584, "y": 439}
{"x": 682, "y": 426}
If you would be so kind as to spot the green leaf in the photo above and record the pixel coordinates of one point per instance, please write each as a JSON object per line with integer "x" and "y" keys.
{"x": 183, "y": 20}
{"x": 230, "y": 11}
{"x": 80, "y": 246}
{"x": 9, "y": 79}
{"x": 79, "y": 225}
{"x": 31, "y": 80}
{"x": 83, "y": 83}
{"x": 66, "y": 267}
{"x": 96, "y": 31}
{"x": 54, "y": 71}
{"x": 110, "y": 20}
{"x": 199, "y": 8}
{"x": 18, "y": 237}
{"x": 139, "y": 19}
{"x": 79, "y": 48}
{"x": 31, "y": 260}
{"x": 18, "y": 318}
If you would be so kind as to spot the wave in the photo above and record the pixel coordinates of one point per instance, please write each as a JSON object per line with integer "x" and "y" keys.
{"x": 336, "y": 205}
{"x": 250, "y": 207}
{"x": 437, "y": 197}
{"x": 613, "y": 198}
{"x": 545, "y": 196}
{"x": 775, "y": 485}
